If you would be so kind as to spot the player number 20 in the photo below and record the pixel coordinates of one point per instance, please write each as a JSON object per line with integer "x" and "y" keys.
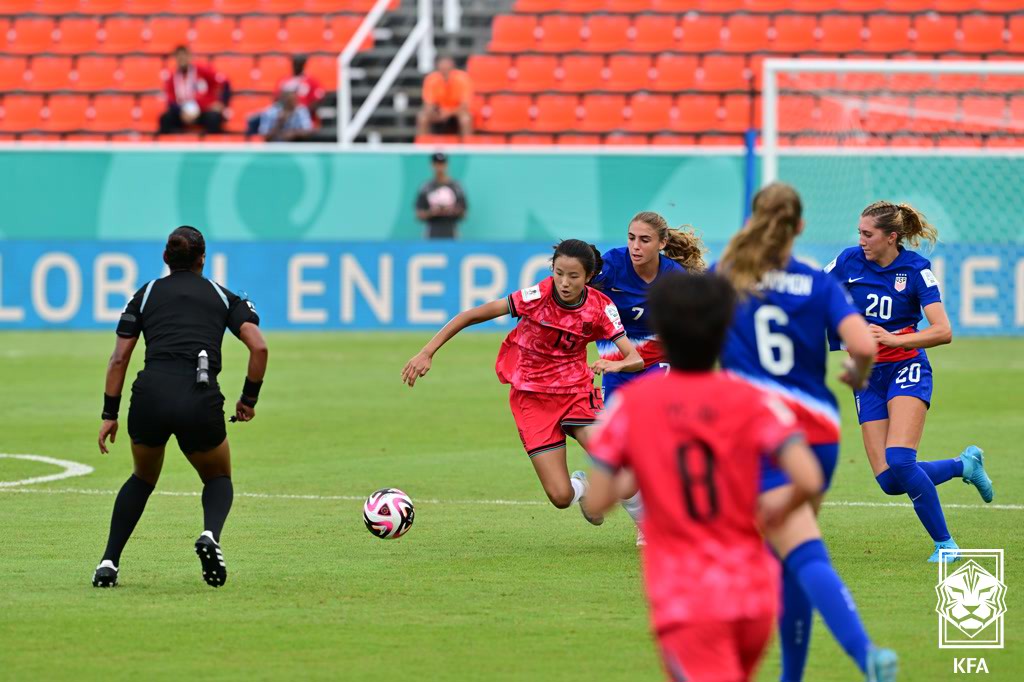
{"x": 774, "y": 350}
{"x": 909, "y": 375}
{"x": 879, "y": 306}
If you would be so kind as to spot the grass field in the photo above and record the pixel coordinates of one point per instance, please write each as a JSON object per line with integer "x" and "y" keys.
{"x": 490, "y": 584}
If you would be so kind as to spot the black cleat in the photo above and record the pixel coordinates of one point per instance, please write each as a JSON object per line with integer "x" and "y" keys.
{"x": 105, "y": 575}
{"x": 214, "y": 572}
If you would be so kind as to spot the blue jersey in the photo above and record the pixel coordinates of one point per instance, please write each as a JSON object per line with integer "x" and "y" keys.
{"x": 777, "y": 341}
{"x": 619, "y": 282}
{"x": 890, "y": 297}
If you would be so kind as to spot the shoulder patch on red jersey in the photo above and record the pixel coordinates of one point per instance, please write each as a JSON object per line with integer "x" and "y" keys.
{"x": 531, "y": 293}
{"x": 613, "y": 316}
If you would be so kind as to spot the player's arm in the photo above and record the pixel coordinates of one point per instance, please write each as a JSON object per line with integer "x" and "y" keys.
{"x": 600, "y": 497}
{"x": 419, "y": 365}
{"x": 117, "y": 369}
{"x": 859, "y": 342}
{"x": 252, "y": 337}
{"x": 630, "y": 362}
{"x": 796, "y": 459}
{"x": 938, "y": 333}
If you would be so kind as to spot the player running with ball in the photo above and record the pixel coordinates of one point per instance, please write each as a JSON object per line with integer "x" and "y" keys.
{"x": 544, "y": 359}
{"x": 891, "y": 285}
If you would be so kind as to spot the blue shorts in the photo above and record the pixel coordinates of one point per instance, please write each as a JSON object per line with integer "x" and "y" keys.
{"x": 828, "y": 454}
{"x": 890, "y": 380}
{"x": 613, "y": 382}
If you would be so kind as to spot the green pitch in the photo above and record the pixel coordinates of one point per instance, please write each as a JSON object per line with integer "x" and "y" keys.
{"x": 490, "y": 584}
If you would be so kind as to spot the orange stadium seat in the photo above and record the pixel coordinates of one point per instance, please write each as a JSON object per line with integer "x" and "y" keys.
{"x": 532, "y": 139}
{"x": 982, "y": 34}
{"x": 142, "y": 73}
{"x": 306, "y": 34}
{"x": 239, "y": 70}
{"x": 55, "y": 7}
{"x": 259, "y": 34}
{"x": 324, "y": 69}
{"x": 508, "y": 113}
{"x": 536, "y": 6}
{"x": 50, "y": 73}
{"x": 283, "y": 6}
{"x": 66, "y": 112}
{"x": 955, "y": 5}
{"x": 650, "y": 113}
{"x": 602, "y": 112}
{"x": 935, "y": 33}
{"x": 861, "y": 5}
{"x": 696, "y": 113}
{"x": 243, "y": 106}
{"x": 675, "y": 6}
{"x": 12, "y": 73}
{"x": 513, "y": 33}
{"x": 556, "y": 113}
{"x": 628, "y": 72}
{"x": 193, "y": 6}
{"x": 607, "y": 33}
{"x": 113, "y": 112}
{"x": 736, "y": 114}
{"x": 272, "y": 69}
{"x": 579, "y": 139}
{"x": 146, "y": 7}
{"x": 150, "y": 108}
{"x": 582, "y": 6}
{"x": 76, "y": 35}
{"x": 628, "y": 6}
{"x": 535, "y": 73}
{"x": 237, "y": 6}
{"x": 673, "y": 140}
{"x": 888, "y": 33}
{"x": 122, "y": 34}
{"x": 655, "y": 33}
{"x": 22, "y": 112}
{"x": 96, "y": 73}
{"x": 214, "y": 34}
{"x": 489, "y": 72}
{"x": 841, "y": 33}
{"x": 934, "y": 113}
{"x": 887, "y": 114}
{"x": 795, "y": 33}
{"x": 701, "y": 33}
{"x": 166, "y": 33}
{"x": 796, "y": 112}
{"x": 984, "y": 113}
{"x": 581, "y": 73}
{"x": 19, "y": 6}
{"x": 1002, "y": 6}
{"x": 674, "y": 72}
{"x": 909, "y": 5}
{"x": 722, "y": 5}
{"x": 747, "y": 33}
{"x": 1016, "y": 42}
{"x": 31, "y": 35}
{"x": 341, "y": 29}
{"x": 768, "y": 5}
{"x": 621, "y": 139}
{"x": 723, "y": 73}
{"x": 560, "y": 33}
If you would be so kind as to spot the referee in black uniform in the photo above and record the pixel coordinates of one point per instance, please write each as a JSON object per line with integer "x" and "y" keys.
{"x": 183, "y": 317}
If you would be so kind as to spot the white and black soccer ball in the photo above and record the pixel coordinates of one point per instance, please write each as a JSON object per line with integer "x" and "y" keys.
{"x": 388, "y": 513}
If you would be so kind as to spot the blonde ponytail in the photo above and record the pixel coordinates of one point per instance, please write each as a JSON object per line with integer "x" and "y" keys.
{"x": 763, "y": 242}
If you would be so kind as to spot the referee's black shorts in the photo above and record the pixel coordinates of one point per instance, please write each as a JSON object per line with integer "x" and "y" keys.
{"x": 167, "y": 400}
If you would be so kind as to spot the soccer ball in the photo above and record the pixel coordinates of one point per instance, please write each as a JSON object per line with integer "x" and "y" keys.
{"x": 388, "y": 513}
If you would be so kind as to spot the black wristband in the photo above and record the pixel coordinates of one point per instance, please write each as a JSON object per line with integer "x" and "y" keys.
{"x": 252, "y": 388}
{"x": 247, "y": 401}
{"x": 111, "y": 405}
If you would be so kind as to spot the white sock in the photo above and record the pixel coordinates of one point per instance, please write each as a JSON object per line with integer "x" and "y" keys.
{"x": 634, "y": 506}
{"x": 579, "y": 489}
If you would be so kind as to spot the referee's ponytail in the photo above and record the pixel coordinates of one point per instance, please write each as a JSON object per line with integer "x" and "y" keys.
{"x": 185, "y": 247}
{"x": 587, "y": 254}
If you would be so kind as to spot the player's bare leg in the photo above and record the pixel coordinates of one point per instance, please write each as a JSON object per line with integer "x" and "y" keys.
{"x": 214, "y": 468}
{"x": 554, "y": 478}
{"x": 128, "y": 507}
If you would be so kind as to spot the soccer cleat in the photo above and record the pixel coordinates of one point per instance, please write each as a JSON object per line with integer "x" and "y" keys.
{"x": 105, "y": 575}
{"x": 949, "y": 557}
{"x": 208, "y": 550}
{"x": 582, "y": 476}
{"x": 883, "y": 664}
{"x": 974, "y": 471}
{"x": 641, "y": 541}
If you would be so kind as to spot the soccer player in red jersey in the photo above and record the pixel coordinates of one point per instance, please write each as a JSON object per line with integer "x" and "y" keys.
{"x": 695, "y": 440}
{"x": 544, "y": 360}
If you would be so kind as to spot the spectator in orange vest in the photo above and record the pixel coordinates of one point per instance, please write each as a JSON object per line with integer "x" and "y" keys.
{"x": 447, "y": 93}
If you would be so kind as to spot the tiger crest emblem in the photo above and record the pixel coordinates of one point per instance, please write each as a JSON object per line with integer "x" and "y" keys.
{"x": 971, "y": 599}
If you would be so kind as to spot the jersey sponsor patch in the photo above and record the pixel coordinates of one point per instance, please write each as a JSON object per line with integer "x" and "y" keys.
{"x": 531, "y": 293}
{"x": 613, "y": 315}
{"x": 901, "y": 282}
{"x": 929, "y": 278}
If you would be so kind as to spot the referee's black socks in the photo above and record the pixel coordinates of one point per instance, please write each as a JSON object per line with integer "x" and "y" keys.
{"x": 128, "y": 508}
{"x": 217, "y": 496}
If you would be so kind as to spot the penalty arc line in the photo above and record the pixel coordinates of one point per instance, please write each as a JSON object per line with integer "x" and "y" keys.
{"x": 71, "y": 469}
{"x": 494, "y": 503}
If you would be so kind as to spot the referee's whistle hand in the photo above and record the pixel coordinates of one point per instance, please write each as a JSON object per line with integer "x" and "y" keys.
{"x": 107, "y": 428}
{"x": 244, "y": 413}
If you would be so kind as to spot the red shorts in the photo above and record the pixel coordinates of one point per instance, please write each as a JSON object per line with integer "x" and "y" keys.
{"x": 715, "y": 651}
{"x": 543, "y": 417}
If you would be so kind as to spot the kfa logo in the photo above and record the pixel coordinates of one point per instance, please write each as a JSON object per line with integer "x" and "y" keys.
{"x": 901, "y": 282}
{"x": 970, "y": 665}
{"x": 972, "y": 601}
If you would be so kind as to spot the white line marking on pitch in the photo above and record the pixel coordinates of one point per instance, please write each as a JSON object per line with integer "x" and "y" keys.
{"x": 71, "y": 469}
{"x": 425, "y": 500}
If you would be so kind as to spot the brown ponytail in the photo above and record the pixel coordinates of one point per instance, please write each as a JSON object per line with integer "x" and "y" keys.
{"x": 909, "y": 224}
{"x": 682, "y": 245}
{"x": 760, "y": 246}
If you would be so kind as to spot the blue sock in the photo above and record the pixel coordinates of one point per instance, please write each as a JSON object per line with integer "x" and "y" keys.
{"x": 903, "y": 465}
{"x": 939, "y": 472}
{"x": 810, "y": 564}
{"x": 794, "y": 627}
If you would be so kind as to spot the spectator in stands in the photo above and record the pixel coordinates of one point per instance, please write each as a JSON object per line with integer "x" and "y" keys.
{"x": 308, "y": 89}
{"x": 447, "y": 94}
{"x": 441, "y": 203}
{"x": 286, "y": 120}
{"x": 196, "y": 96}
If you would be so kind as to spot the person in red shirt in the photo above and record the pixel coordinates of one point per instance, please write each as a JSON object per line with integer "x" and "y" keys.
{"x": 196, "y": 96}
{"x": 544, "y": 360}
{"x": 307, "y": 88}
{"x": 696, "y": 439}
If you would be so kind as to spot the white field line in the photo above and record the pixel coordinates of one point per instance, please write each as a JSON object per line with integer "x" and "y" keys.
{"x": 486, "y": 503}
{"x": 71, "y": 469}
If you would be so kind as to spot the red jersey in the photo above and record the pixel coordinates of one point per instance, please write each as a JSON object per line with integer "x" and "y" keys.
{"x": 695, "y": 442}
{"x": 198, "y": 83}
{"x": 307, "y": 89}
{"x": 547, "y": 351}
